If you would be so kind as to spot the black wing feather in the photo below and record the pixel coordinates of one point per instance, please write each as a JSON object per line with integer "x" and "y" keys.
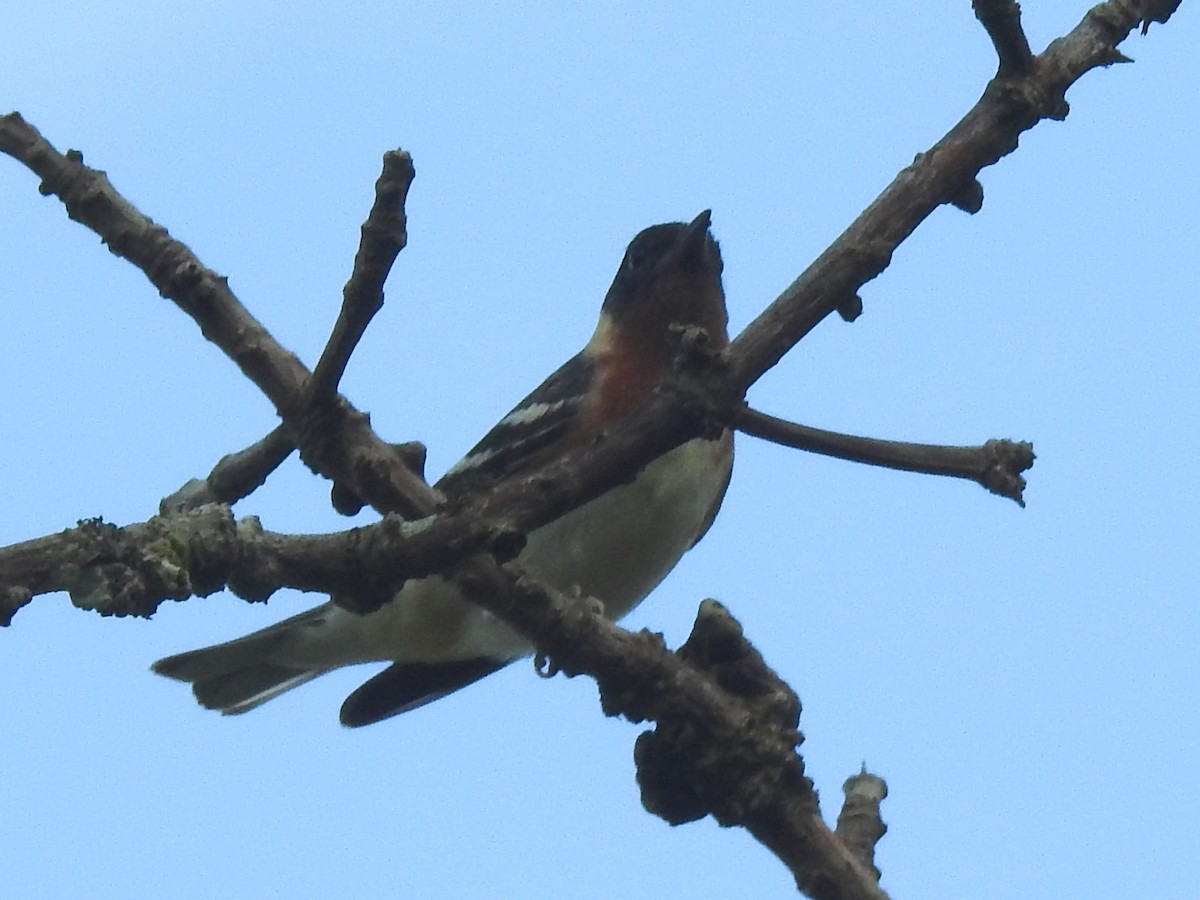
{"x": 407, "y": 685}
{"x": 523, "y": 439}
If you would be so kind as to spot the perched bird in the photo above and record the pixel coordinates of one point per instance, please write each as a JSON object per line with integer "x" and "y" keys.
{"x": 615, "y": 548}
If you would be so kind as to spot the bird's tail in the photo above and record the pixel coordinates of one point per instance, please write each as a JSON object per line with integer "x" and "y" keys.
{"x": 239, "y": 675}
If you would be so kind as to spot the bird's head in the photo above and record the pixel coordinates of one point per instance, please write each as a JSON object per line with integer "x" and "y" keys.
{"x": 670, "y": 277}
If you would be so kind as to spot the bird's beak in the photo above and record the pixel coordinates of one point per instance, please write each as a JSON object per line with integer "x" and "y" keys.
{"x": 694, "y": 242}
{"x": 698, "y": 227}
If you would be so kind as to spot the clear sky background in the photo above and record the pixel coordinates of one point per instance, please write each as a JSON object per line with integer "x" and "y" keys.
{"x": 1025, "y": 680}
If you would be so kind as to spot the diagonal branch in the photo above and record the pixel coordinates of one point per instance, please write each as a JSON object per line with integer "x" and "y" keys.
{"x": 725, "y": 737}
{"x": 943, "y": 174}
{"x": 91, "y": 200}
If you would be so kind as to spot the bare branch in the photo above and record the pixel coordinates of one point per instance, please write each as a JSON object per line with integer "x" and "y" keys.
{"x": 116, "y": 571}
{"x": 383, "y": 237}
{"x": 944, "y": 174}
{"x": 90, "y": 199}
{"x": 363, "y": 567}
{"x": 996, "y": 465}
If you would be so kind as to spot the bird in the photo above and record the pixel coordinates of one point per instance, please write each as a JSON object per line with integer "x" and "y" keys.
{"x": 616, "y": 548}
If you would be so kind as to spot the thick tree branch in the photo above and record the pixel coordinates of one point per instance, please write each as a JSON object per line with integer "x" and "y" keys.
{"x": 996, "y": 465}
{"x": 131, "y": 570}
{"x": 364, "y": 566}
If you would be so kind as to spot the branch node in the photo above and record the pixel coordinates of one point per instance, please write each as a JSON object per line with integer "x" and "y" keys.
{"x": 1007, "y": 460}
{"x": 850, "y": 308}
{"x": 690, "y": 768}
{"x": 12, "y": 598}
{"x": 969, "y": 198}
{"x": 346, "y": 500}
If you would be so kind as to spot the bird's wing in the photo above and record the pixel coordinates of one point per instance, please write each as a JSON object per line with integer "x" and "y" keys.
{"x": 535, "y": 430}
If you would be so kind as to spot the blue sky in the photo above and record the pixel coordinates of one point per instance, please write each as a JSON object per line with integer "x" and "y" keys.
{"x": 1026, "y": 680}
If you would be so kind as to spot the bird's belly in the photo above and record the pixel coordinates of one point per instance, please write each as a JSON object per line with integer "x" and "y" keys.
{"x": 615, "y": 548}
{"x": 618, "y": 547}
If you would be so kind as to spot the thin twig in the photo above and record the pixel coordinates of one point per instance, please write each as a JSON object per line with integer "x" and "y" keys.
{"x": 860, "y": 825}
{"x": 383, "y": 237}
{"x": 235, "y": 476}
{"x": 996, "y": 465}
